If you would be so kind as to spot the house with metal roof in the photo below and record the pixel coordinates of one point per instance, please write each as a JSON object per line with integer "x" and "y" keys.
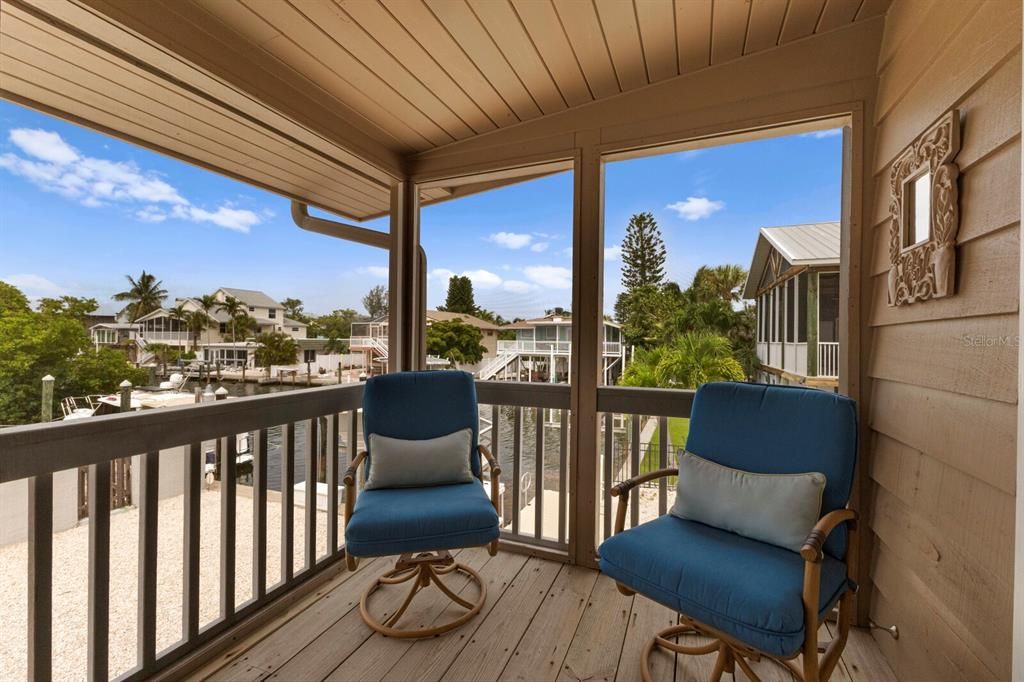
{"x": 794, "y": 277}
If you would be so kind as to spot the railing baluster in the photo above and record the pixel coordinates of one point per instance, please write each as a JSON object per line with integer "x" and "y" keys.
{"x": 332, "y": 484}
{"x": 634, "y": 470}
{"x": 287, "y": 491}
{"x": 149, "y": 479}
{"x": 40, "y": 576}
{"x": 311, "y": 451}
{"x": 259, "y": 515}
{"x": 563, "y": 463}
{"x": 195, "y": 465}
{"x": 609, "y": 422}
{"x": 538, "y": 516}
{"x": 229, "y": 452}
{"x": 517, "y": 448}
{"x": 99, "y": 571}
{"x": 662, "y": 463}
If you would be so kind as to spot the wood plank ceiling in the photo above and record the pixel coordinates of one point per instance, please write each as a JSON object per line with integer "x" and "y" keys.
{"x": 365, "y": 83}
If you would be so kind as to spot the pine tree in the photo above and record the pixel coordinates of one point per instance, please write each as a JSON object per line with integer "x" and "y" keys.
{"x": 643, "y": 253}
{"x": 460, "y": 296}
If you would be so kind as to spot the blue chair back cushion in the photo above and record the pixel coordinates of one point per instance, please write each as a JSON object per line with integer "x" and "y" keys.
{"x": 421, "y": 405}
{"x": 780, "y": 430}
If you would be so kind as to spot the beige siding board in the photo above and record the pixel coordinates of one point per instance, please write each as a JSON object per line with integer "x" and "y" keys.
{"x": 838, "y": 13}
{"x": 765, "y": 25}
{"x": 973, "y": 435}
{"x": 618, "y": 20}
{"x": 656, "y": 19}
{"x": 693, "y": 34}
{"x": 920, "y": 50}
{"x": 376, "y": 57}
{"x": 989, "y": 116}
{"x": 428, "y": 32}
{"x": 549, "y": 37}
{"x": 988, "y": 270}
{"x": 393, "y": 37}
{"x": 969, "y": 356}
{"x": 965, "y": 595}
{"x": 232, "y": 13}
{"x": 991, "y": 36}
{"x": 504, "y": 27}
{"x": 928, "y": 648}
{"x": 155, "y": 100}
{"x": 989, "y": 201}
{"x": 801, "y": 19}
{"x": 728, "y": 30}
{"x": 583, "y": 28}
{"x": 313, "y": 53}
{"x": 900, "y": 21}
{"x": 465, "y": 28}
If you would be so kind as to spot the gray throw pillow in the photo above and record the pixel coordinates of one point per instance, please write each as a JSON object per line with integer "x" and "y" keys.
{"x": 780, "y": 509}
{"x": 397, "y": 463}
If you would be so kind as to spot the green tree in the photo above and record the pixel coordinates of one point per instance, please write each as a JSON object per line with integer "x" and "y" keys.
{"x": 145, "y": 295}
{"x": 234, "y": 309}
{"x": 558, "y": 311}
{"x": 12, "y": 300}
{"x": 337, "y": 329}
{"x": 197, "y": 321}
{"x": 640, "y": 312}
{"x": 275, "y": 348}
{"x": 692, "y": 359}
{"x": 164, "y": 354}
{"x": 71, "y": 306}
{"x": 376, "y": 302}
{"x": 460, "y": 296}
{"x": 293, "y": 310}
{"x": 643, "y": 253}
{"x": 721, "y": 282}
{"x": 456, "y": 341}
{"x": 208, "y": 303}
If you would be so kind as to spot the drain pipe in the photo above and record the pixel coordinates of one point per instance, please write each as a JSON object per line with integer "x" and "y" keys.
{"x": 361, "y": 235}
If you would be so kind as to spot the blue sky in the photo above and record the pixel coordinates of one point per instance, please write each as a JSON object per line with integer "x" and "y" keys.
{"x": 79, "y": 210}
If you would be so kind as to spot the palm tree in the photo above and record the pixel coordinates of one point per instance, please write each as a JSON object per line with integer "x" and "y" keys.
{"x": 144, "y": 295}
{"x": 179, "y": 313}
{"x": 207, "y": 304}
{"x": 694, "y": 358}
{"x": 197, "y": 321}
{"x": 721, "y": 281}
{"x": 234, "y": 308}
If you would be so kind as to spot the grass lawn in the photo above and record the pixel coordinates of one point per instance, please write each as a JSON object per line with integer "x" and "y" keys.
{"x": 678, "y": 429}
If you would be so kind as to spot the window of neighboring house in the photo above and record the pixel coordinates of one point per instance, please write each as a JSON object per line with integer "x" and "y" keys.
{"x": 223, "y": 327}
{"x": 490, "y": 333}
{"x": 273, "y": 313}
{"x": 252, "y": 309}
{"x": 801, "y": 307}
{"x": 309, "y": 355}
{"x": 295, "y": 329}
{"x": 760, "y": 318}
{"x": 790, "y": 311}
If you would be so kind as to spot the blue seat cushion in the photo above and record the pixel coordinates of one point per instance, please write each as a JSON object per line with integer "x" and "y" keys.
{"x": 396, "y": 520}
{"x": 745, "y": 588}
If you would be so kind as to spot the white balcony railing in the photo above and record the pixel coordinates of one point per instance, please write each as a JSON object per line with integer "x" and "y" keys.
{"x": 542, "y": 347}
{"x": 828, "y": 359}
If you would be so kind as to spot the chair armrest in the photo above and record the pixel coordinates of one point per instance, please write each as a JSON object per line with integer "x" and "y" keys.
{"x": 491, "y": 462}
{"x": 350, "y": 473}
{"x": 620, "y": 489}
{"x": 812, "y": 550}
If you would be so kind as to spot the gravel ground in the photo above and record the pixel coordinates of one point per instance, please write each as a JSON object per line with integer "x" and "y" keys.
{"x": 70, "y": 581}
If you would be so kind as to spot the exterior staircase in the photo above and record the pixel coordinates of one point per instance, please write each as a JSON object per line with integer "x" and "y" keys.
{"x": 495, "y": 365}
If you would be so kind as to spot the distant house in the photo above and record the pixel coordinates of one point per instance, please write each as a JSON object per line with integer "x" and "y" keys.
{"x": 541, "y": 351}
{"x": 370, "y": 337}
{"x": 794, "y": 278}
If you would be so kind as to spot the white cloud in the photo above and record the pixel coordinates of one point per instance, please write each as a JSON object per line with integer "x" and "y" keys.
{"x": 442, "y": 274}
{"x": 539, "y": 247}
{"x": 55, "y": 166}
{"x": 822, "y": 134}
{"x": 510, "y": 240}
{"x": 34, "y": 286}
{"x": 612, "y": 252}
{"x": 483, "y": 279}
{"x": 690, "y": 154}
{"x": 151, "y": 214}
{"x": 379, "y": 271}
{"x": 43, "y": 145}
{"x": 549, "y": 276}
{"x": 516, "y": 286}
{"x": 696, "y": 208}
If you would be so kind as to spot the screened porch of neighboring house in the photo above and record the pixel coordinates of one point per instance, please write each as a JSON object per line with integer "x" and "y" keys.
{"x": 368, "y": 109}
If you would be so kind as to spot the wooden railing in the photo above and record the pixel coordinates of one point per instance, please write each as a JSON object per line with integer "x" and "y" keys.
{"x": 526, "y": 425}
{"x": 636, "y": 438}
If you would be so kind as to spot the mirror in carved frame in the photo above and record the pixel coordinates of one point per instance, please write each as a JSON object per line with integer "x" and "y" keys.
{"x": 925, "y": 215}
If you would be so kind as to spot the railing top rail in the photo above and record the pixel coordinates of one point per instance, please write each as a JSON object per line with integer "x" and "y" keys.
{"x": 38, "y": 449}
{"x": 523, "y": 394}
{"x": 655, "y": 402}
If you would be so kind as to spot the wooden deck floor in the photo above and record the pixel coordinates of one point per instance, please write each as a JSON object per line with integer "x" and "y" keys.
{"x": 542, "y": 621}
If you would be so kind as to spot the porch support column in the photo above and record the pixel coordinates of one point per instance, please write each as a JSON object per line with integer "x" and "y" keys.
{"x": 585, "y": 372}
{"x": 405, "y": 300}
{"x": 812, "y": 324}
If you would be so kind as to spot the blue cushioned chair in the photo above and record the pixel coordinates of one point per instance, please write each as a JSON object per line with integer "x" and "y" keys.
{"x": 420, "y": 525}
{"x": 754, "y": 599}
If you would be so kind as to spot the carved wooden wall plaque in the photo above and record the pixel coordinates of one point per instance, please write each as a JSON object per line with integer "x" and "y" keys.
{"x": 925, "y": 267}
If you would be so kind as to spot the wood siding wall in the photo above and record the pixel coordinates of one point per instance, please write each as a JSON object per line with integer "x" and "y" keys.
{"x": 942, "y": 408}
